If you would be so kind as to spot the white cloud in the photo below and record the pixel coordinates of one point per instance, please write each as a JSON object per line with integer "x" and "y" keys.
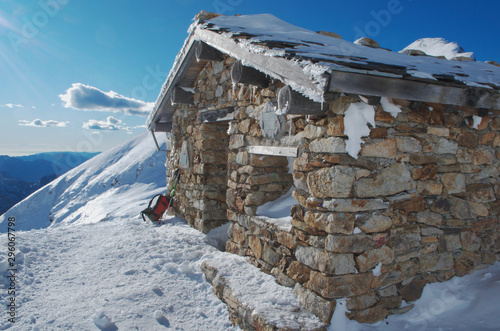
{"x": 111, "y": 124}
{"x": 38, "y": 123}
{"x": 85, "y": 97}
{"x": 11, "y": 105}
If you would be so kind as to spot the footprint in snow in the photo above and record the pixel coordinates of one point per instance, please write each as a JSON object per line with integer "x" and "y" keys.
{"x": 161, "y": 319}
{"x": 104, "y": 323}
{"x": 157, "y": 291}
{"x": 130, "y": 272}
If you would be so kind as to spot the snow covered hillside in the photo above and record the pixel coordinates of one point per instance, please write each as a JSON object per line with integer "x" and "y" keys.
{"x": 114, "y": 184}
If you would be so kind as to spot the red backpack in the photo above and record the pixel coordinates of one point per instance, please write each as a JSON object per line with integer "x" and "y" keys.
{"x": 163, "y": 202}
{"x": 155, "y": 213}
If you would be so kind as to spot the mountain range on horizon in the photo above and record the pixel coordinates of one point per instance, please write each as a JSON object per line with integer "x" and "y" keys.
{"x": 22, "y": 175}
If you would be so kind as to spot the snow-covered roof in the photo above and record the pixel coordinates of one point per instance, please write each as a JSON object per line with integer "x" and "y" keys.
{"x": 313, "y": 63}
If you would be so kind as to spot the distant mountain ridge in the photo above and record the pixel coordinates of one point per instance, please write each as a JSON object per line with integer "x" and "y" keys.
{"x": 32, "y": 168}
{"x": 116, "y": 183}
{"x": 23, "y": 175}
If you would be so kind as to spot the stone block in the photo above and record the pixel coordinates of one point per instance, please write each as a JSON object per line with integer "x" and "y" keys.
{"x": 481, "y": 192}
{"x": 268, "y": 178}
{"x": 298, "y": 272}
{"x": 328, "y": 145}
{"x": 391, "y": 180}
{"x": 357, "y": 243}
{"x": 483, "y": 156}
{"x": 426, "y": 172}
{"x": 436, "y": 262}
{"x": 445, "y": 146}
{"x": 331, "y": 182}
{"x": 319, "y": 259}
{"x": 466, "y": 262}
{"x": 487, "y": 138}
{"x": 302, "y": 163}
{"x": 370, "y": 315}
{"x": 452, "y": 242}
{"x": 438, "y": 131}
{"x": 255, "y": 244}
{"x": 413, "y": 204}
{"x": 405, "y": 237}
{"x": 244, "y": 126}
{"x": 335, "y": 126}
{"x": 429, "y": 188}
{"x": 281, "y": 278}
{"x": 242, "y": 158}
{"x": 487, "y": 224}
{"x": 429, "y": 218}
{"x": 385, "y": 148}
{"x": 314, "y": 131}
{"x": 354, "y": 205}
{"x": 470, "y": 241}
{"x": 468, "y": 140}
{"x": 286, "y": 239}
{"x": 419, "y": 159}
{"x": 388, "y": 291}
{"x": 390, "y": 302}
{"x": 374, "y": 223}
{"x": 408, "y": 145}
{"x": 378, "y": 133}
{"x": 331, "y": 222}
{"x": 314, "y": 303}
{"x": 371, "y": 258}
{"x": 269, "y": 255}
{"x": 362, "y": 301}
{"x": 413, "y": 290}
{"x": 236, "y": 141}
{"x": 333, "y": 287}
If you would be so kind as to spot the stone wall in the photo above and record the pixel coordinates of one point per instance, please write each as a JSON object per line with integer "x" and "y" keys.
{"x": 201, "y": 192}
{"x": 418, "y": 205}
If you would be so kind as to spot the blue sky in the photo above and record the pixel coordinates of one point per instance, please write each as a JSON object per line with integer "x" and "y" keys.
{"x": 81, "y": 75}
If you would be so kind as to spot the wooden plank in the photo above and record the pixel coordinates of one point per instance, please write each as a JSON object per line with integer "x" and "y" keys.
{"x": 180, "y": 95}
{"x": 163, "y": 108}
{"x": 248, "y": 75}
{"x": 275, "y": 67}
{"x": 274, "y": 150}
{"x": 206, "y": 52}
{"x": 219, "y": 115}
{"x": 163, "y": 127}
{"x": 349, "y": 82}
{"x": 294, "y": 103}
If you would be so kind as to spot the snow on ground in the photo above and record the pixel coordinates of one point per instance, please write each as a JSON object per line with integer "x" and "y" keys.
{"x": 463, "y": 303}
{"x": 141, "y": 276}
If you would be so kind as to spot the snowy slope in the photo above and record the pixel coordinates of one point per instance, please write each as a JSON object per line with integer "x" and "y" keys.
{"x": 126, "y": 176}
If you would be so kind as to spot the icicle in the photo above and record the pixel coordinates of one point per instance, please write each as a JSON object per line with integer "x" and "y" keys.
{"x": 290, "y": 126}
{"x": 253, "y": 93}
{"x": 234, "y": 89}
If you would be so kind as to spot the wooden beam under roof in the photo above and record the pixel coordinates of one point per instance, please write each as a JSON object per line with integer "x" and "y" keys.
{"x": 351, "y": 82}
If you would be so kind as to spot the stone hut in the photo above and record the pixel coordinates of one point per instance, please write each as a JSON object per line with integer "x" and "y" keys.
{"x": 392, "y": 159}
